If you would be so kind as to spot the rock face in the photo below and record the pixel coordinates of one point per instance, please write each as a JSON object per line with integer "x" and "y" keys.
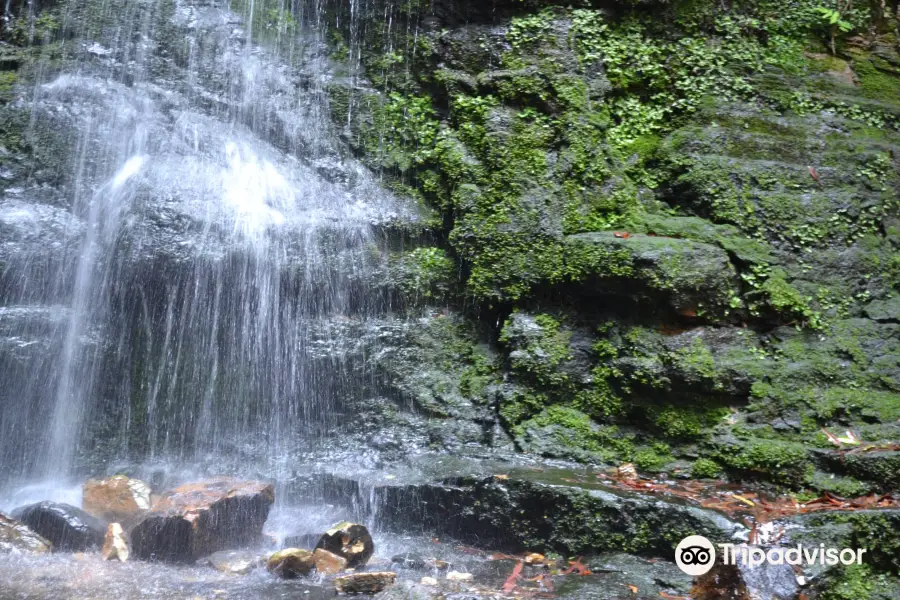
{"x": 291, "y": 562}
{"x": 742, "y": 582}
{"x": 67, "y": 527}
{"x": 544, "y": 512}
{"x": 350, "y": 541}
{"x": 197, "y": 519}
{"x": 115, "y": 544}
{"x": 116, "y": 498}
{"x": 16, "y": 538}
{"x": 364, "y": 583}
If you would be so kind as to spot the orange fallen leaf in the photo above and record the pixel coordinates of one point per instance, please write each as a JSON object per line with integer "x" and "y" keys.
{"x": 633, "y": 589}
{"x": 622, "y": 234}
{"x": 814, "y": 174}
{"x": 576, "y": 567}
{"x": 510, "y": 583}
{"x": 501, "y": 476}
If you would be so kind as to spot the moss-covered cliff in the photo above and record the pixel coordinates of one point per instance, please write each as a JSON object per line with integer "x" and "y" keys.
{"x": 679, "y": 220}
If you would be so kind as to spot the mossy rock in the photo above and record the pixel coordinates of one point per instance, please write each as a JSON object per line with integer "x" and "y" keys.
{"x": 692, "y": 276}
{"x": 544, "y": 511}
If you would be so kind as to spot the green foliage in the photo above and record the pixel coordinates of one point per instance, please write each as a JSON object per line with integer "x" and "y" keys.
{"x": 653, "y": 459}
{"x": 703, "y": 468}
{"x": 833, "y": 21}
{"x": 425, "y": 273}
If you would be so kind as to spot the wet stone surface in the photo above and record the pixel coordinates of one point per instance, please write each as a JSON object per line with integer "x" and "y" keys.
{"x": 197, "y": 519}
{"x": 66, "y": 527}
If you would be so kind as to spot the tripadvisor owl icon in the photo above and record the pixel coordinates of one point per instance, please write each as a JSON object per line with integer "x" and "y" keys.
{"x": 695, "y": 555}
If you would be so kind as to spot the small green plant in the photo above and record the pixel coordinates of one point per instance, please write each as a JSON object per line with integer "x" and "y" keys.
{"x": 833, "y": 20}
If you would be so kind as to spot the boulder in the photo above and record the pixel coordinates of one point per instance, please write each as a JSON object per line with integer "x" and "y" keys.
{"x": 197, "y": 519}
{"x": 364, "y": 583}
{"x": 115, "y": 544}
{"x": 328, "y": 563}
{"x": 291, "y": 562}
{"x": 17, "y": 538}
{"x": 67, "y": 527}
{"x": 235, "y": 562}
{"x": 349, "y": 540}
{"x": 744, "y": 582}
{"x": 116, "y": 499}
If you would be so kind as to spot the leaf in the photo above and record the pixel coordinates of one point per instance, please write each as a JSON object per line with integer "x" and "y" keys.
{"x": 510, "y": 583}
{"x": 633, "y": 589}
{"x": 621, "y": 234}
{"x": 502, "y": 477}
{"x": 831, "y": 437}
{"x": 744, "y": 500}
{"x": 850, "y": 439}
{"x": 576, "y": 567}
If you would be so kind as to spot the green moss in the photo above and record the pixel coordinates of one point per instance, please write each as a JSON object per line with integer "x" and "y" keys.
{"x": 424, "y": 273}
{"x": 8, "y": 79}
{"x": 703, "y": 468}
{"x": 653, "y": 459}
{"x": 572, "y": 429}
{"x": 876, "y": 83}
{"x": 857, "y": 582}
{"x": 686, "y": 422}
{"x": 784, "y": 462}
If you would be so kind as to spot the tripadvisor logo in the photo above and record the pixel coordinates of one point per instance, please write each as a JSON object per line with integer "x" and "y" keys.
{"x": 695, "y": 555}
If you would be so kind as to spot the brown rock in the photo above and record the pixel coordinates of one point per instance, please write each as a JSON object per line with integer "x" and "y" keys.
{"x": 291, "y": 562}
{"x": 115, "y": 544}
{"x": 364, "y": 583}
{"x": 349, "y": 540}
{"x": 197, "y": 519}
{"x": 328, "y": 562}
{"x": 116, "y": 499}
{"x": 17, "y": 538}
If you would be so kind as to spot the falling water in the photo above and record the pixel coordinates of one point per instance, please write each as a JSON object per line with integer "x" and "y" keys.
{"x": 167, "y": 292}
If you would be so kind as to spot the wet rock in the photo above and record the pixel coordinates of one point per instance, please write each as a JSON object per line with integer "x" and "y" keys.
{"x": 116, "y": 498}
{"x": 67, "y": 527}
{"x": 236, "y": 562}
{"x": 364, "y": 583}
{"x": 743, "y": 582}
{"x": 115, "y": 544}
{"x": 197, "y": 519}
{"x": 410, "y": 590}
{"x": 328, "y": 563}
{"x": 690, "y": 273}
{"x": 291, "y": 563}
{"x": 349, "y": 540}
{"x": 457, "y": 576}
{"x": 16, "y": 538}
{"x": 613, "y": 573}
{"x": 408, "y": 561}
{"x": 529, "y": 511}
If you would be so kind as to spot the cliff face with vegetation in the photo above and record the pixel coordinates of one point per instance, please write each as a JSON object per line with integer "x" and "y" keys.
{"x": 666, "y": 232}
{"x": 659, "y": 232}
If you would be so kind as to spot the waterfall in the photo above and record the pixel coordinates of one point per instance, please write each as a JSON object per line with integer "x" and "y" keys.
{"x": 168, "y": 290}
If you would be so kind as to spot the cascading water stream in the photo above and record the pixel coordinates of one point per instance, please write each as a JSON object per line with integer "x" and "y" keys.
{"x": 209, "y": 237}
